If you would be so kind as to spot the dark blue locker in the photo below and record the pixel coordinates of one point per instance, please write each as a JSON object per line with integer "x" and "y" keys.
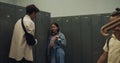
{"x": 77, "y": 43}
{"x": 42, "y": 22}
{"x": 67, "y": 30}
{"x": 96, "y": 37}
{"x": 86, "y": 38}
{"x": 6, "y": 28}
{"x": 19, "y": 12}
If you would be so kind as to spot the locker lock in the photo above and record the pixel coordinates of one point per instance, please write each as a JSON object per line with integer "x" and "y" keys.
{"x": 8, "y": 16}
{"x": 58, "y": 19}
{"x": 86, "y": 17}
{"x": 67, "y": 20}
{"x": 20, "y": 9}
{"x": 76, "y": 17}
{"x": 107, "y": 16}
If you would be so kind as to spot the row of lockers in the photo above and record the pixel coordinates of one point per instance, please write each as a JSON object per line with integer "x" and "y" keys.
{"x": 84, "y": 40}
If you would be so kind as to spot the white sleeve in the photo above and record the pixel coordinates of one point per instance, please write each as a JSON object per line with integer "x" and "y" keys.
{"x": 30, "y": 27}
{"x": 105, "y": 48}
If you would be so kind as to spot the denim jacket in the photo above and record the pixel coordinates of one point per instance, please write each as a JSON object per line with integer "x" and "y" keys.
{"x": 59, "y": 43}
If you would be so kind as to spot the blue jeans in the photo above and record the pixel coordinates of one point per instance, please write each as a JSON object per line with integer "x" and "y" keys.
{"x": 57, "y": 55}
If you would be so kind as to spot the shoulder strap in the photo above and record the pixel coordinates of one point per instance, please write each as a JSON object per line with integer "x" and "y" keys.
{"x": 108, "y": 40}
{"x": 23, "y": 26}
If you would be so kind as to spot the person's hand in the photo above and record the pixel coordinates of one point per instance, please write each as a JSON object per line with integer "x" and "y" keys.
{"x": 36, "y": 41}
{"x": 57, "y": 36}
{"x": 53, "y": 38}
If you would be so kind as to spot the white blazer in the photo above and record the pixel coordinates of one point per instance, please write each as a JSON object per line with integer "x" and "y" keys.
{"x": 19, "y": 48}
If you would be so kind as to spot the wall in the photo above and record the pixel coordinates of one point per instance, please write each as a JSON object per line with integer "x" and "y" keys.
{"x": 73, "y": 7}
{"x": 9, "y": 1}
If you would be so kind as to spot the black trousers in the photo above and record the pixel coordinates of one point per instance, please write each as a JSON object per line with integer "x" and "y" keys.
{"x": 21, "y": 61}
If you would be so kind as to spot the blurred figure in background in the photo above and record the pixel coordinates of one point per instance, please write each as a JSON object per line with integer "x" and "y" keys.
{"x": 20, "y": 50}
{"x": 112, "y": 46}
{"x": 56, "y": 45}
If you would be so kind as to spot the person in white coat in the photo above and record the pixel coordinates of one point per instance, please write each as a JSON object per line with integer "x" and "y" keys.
{"x": 20, "y": 50}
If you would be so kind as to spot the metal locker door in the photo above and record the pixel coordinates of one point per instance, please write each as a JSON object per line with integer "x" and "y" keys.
{"x": 19, "y": 12}
{"x": 46, "y": 19}
{"x": 42, "y": 23}
{"x": 77, "y": 44}
{"x": 67, "y": 30}
{"x": 38, "y": 26}
{"x": 96, "y": 37}
{"x": 105, "y": 19}
{"x": 86, "y": 39}
{"x": 6, "y": 30}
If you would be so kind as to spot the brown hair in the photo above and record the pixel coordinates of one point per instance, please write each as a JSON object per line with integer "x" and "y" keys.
{"x": 56, "y": 26}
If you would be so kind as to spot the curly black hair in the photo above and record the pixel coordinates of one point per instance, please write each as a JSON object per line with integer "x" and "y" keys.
{"x": 116, "y": 13}
{"x": 31, "y": 8}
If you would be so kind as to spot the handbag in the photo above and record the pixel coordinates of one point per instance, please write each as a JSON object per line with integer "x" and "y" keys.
{"x": 29, "y": 37}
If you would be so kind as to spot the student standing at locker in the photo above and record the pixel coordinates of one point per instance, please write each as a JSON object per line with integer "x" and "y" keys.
{"x": 56, "y": 45}
{"x": 112, "y": 46}
{"x": 20, "y": 50}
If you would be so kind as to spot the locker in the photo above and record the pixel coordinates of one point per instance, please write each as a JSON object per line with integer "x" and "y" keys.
{"x": 6, "y": 28}
{"x": 19, "y": 12}
{"x": 104, "y": 19}
{"x": 67, "y": 30}
{"x": 96, "y": 38}
{"x": 84, "y": 40}
{"x": 42, "y": 26}
{"x": 77, "y": 44}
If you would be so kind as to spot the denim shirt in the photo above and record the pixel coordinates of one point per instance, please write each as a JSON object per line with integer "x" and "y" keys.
{"x": 59, "y": 43}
